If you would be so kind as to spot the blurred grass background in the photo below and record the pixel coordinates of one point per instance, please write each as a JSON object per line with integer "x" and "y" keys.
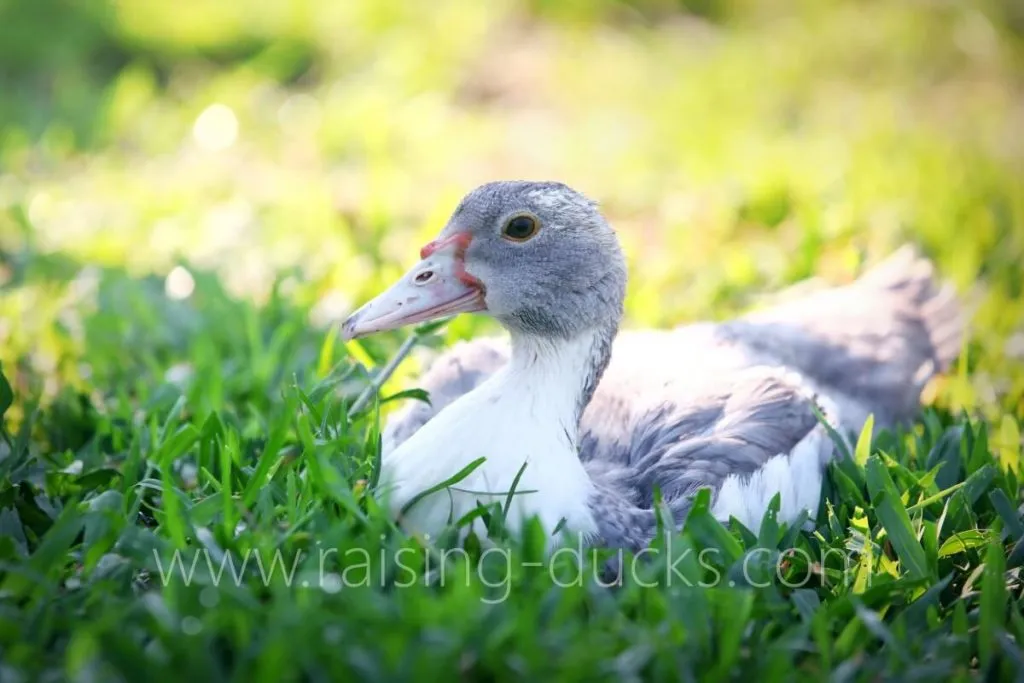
{"x": 738, "y": 145}
{"x": 192, "y": 193}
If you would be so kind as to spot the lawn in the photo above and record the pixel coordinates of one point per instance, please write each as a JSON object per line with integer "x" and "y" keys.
{"x": 193, "y": 195}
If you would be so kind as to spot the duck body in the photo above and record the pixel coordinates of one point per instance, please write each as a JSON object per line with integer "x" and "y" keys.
{"x": 729, "y": 406}
{"x": 598, "y": 421}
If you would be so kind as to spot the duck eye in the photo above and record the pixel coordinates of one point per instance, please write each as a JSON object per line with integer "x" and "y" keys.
{"x": 520, "y": 228}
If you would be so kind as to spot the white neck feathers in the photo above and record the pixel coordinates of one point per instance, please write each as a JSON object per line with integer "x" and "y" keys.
{"x": 527, "y": 412}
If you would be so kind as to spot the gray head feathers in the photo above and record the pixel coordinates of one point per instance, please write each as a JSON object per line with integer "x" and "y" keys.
{"x": 567, "y": 278}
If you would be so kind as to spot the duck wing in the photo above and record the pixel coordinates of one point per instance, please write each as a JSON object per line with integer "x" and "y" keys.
{"x": 751, "y": 434}
{"x": 872, "y": 345}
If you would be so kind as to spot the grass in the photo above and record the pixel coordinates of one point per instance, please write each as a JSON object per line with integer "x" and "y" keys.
{"x": 192, "y": 198}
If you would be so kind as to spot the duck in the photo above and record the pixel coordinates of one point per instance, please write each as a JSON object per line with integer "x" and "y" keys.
{"x": 600, "y": 433}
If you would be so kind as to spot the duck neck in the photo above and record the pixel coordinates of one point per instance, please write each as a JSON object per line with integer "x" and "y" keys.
{"x": 560, "y": 374}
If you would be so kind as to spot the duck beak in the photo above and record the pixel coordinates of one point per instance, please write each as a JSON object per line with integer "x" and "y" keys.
{"x": 436, "y": 287}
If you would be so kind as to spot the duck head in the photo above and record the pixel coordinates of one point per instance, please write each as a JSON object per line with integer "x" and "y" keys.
{"x": 537, "y": 256}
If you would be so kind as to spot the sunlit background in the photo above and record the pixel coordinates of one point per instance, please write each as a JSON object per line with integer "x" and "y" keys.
{"x": 738, "y": 146}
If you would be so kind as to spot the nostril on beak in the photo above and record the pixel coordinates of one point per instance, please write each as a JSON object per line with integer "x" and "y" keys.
{"x": 424, "y": 277}
{"x": 348, "y": 328}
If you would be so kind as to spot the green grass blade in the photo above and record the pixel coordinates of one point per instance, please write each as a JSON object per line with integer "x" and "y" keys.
{"x": 450, "y": 481}
{"x": 993, "y": 602}
{"x": 894, "y": 519}
{"x": 863, "y": 447}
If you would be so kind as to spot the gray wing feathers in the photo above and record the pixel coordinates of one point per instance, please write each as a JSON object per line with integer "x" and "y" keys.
{"x": 759, "y": 414}
{"x": 873, "y": 344}
{"x": 910, "y": 280}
